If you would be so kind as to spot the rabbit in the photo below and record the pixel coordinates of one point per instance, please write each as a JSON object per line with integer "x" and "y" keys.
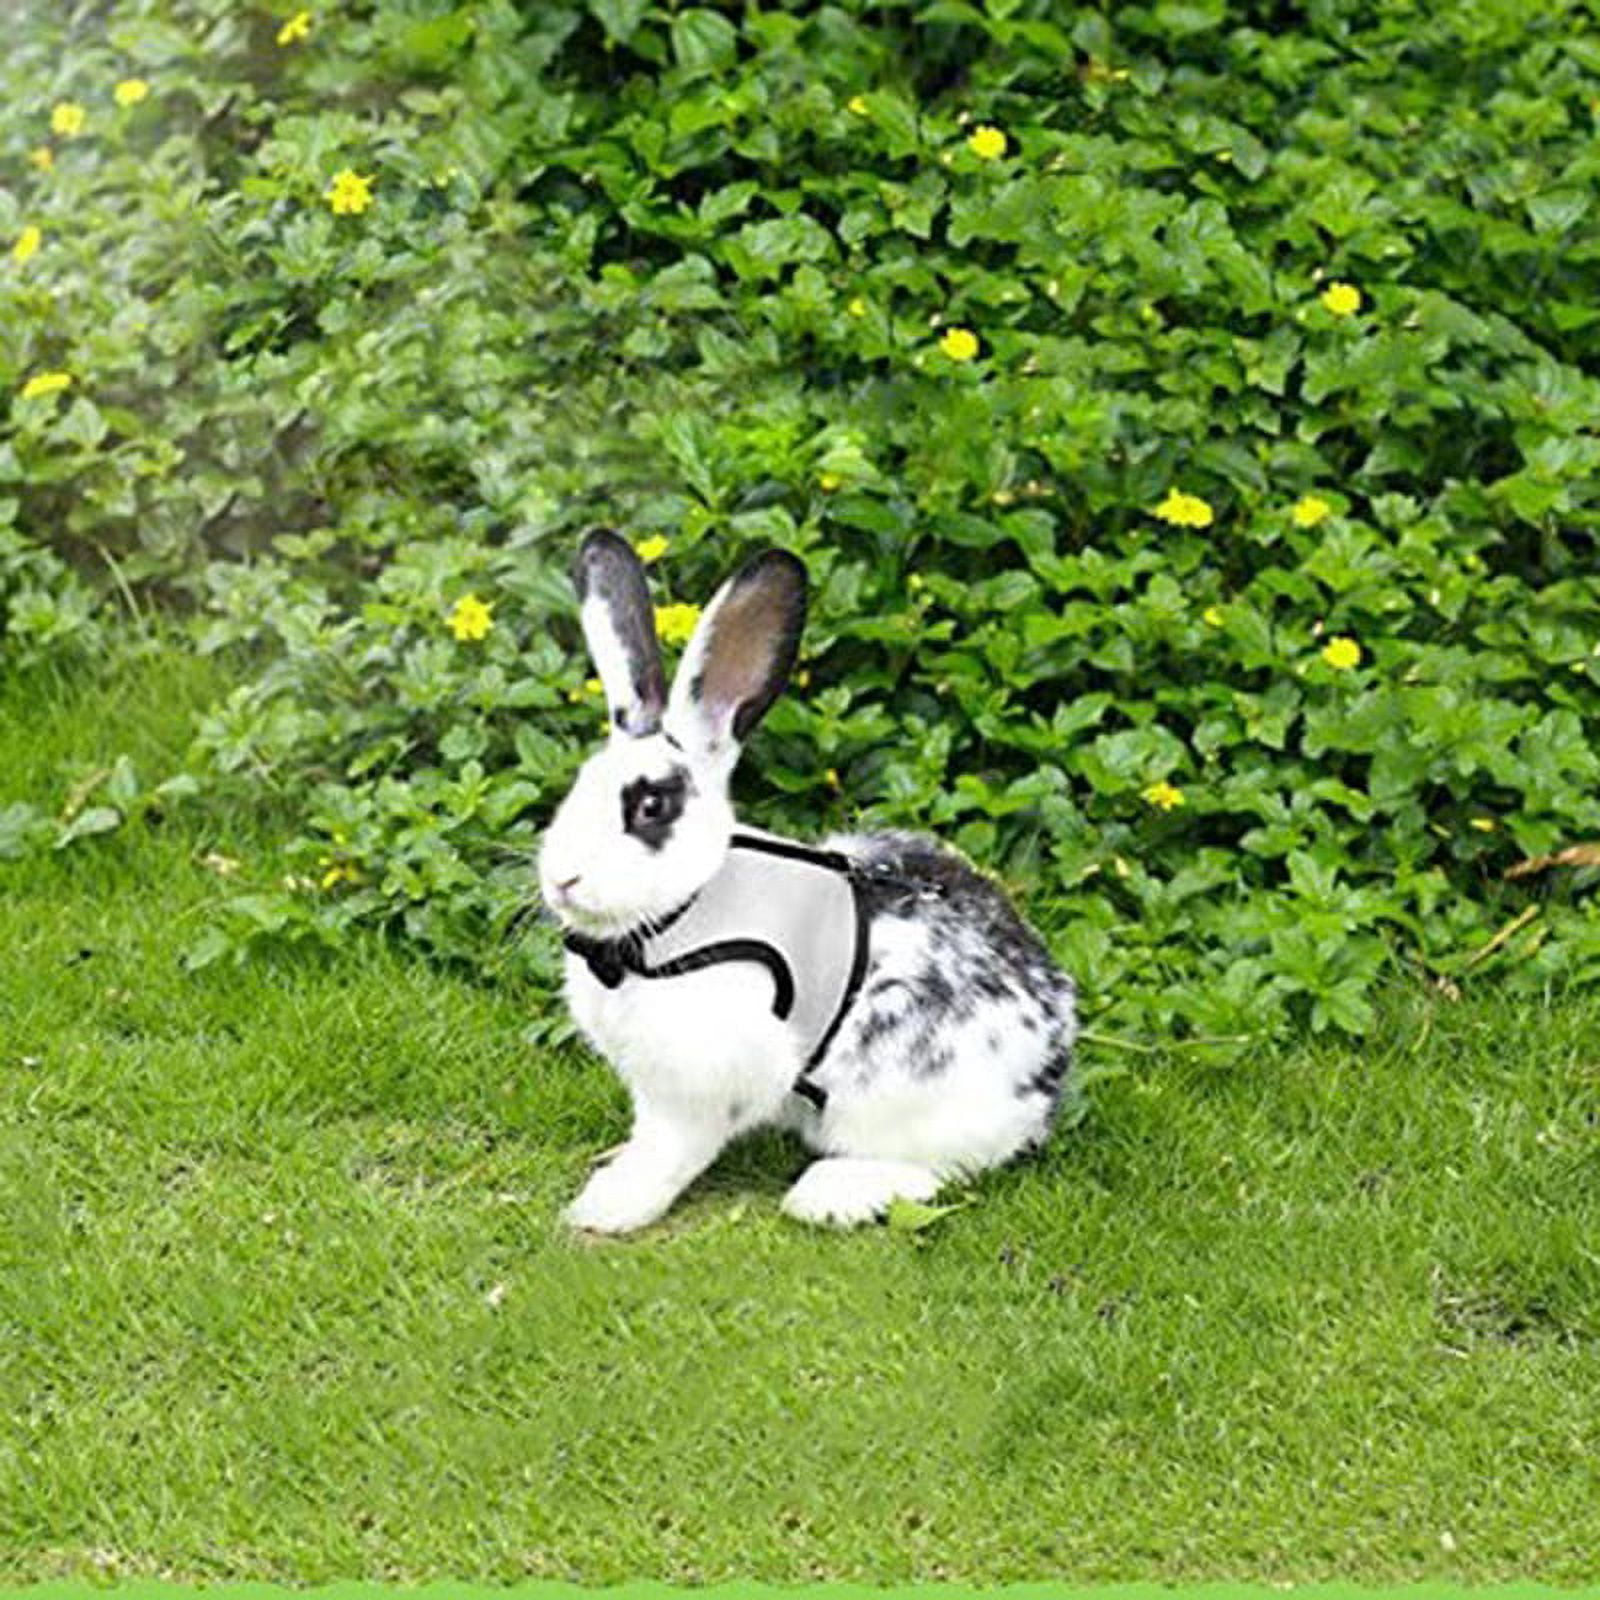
{"x": 877, "y": 995}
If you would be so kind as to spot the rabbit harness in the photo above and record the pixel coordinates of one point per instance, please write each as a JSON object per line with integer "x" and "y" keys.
{"x": 797, "y": 912}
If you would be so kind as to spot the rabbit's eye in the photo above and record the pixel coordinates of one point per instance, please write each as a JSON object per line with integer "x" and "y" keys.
{"x": 650, "y": 806}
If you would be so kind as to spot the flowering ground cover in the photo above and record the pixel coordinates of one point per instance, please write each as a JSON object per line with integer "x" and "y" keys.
{"x": 1186, "y": 416}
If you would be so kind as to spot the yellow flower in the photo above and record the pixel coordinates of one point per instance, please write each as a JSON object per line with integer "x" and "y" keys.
{"x": 43, "y": 157}
{"x": 297, "y": 27}
{"x": 829, "y": 481}
{"x": 43, "y": 383}
{"x": 986, "y": 143}
{"x": 675, "y": 623}
{"x": 27, "y": 245}
{"x": 1342, "y": 654}
{"x": 1185, "y": 510}
{"x": 349, "y": 193}
{"x": 130, "y": 91}
{"x": 339, "y": 872}
{"x": 857, "y": 105}
{"x": 67, "y": 119}
{"x": 1309, "y": 510}
{"x": 471, "y": 619}
{"x": 651, "y": 549}
{"x": 1164, "y": 796}
{"x": 832, "y": 776}
{"x": 1482, "y": 824}
{"x": 857, "y": 307}
{"x": 960, "y": 344}
{"x": 1212, "y": 617}
{"x": 1342, "y": 299}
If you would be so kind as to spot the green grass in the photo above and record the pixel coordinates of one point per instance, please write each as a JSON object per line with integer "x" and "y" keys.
{"x": 283, "y": 1293}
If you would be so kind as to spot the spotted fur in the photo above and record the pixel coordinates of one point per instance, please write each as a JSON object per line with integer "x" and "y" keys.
{"x": 959, "y": 1043}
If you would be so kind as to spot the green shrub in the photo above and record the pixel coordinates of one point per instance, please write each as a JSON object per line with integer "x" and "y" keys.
{"x": 45, "y": 610}
{"x": 1186, "y": 412}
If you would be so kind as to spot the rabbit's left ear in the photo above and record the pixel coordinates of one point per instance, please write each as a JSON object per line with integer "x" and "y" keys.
{"x": 619, "y": 626}
{"x": 740, "y": 656}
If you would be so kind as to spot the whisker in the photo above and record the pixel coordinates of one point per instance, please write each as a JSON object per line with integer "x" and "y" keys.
{"x": 517, "y": 924}
{"x": 528, "y": 854}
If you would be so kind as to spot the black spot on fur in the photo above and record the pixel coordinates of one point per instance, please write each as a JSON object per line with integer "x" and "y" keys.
{"x": 877, "y": 1025}
{"x": 650, "y": 806}
{"x": 933, "y": 992}
{"x": 1048, "y": 1079}
{"x": 902, "y": 869}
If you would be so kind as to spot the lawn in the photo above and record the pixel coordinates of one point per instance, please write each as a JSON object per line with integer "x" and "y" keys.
{"x": 283, "y": 1293}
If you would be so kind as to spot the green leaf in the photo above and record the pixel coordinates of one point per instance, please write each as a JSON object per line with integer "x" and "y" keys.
{"x": 895, "y": 119}
{"x": 1558, "y": 210}
{"x": 89, "y": 822}
{"x": 619, "y": 18}
{"x": 913, "y": 1216}
{"x": 703, "y": 41}
{"x": 429, "y": 45}
{"x": 210, "y": 947}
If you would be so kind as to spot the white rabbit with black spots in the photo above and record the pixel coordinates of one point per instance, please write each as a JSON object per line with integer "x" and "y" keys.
{"x": 876, "y": 994}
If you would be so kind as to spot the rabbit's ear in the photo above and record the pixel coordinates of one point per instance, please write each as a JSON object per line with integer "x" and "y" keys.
{"x": 620, "y": 628}
{"x": 740, "y": 656}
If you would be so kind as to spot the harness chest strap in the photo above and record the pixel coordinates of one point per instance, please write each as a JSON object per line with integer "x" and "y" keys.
{"x": 786, "y": 907}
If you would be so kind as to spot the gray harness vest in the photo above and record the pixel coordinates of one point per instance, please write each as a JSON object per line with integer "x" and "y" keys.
{"x": 794, "y": 911}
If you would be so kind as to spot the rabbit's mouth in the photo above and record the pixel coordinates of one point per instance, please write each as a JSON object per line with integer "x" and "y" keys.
{"x": 571, "y": 911}
{"x": 570, "y": 908}
{"x": 561, "y": 899}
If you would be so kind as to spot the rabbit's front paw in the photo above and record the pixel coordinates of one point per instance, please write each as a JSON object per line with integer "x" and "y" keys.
{"x": 641, "y": 1180}
{"x": 619, "y": 1198}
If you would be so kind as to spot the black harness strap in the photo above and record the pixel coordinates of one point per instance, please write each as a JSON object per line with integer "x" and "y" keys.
{"x": 858, "y": 970}
{"x": 611, "y": 960}
{"x": 831, "y": 859}
{"x": 813, "y": 1093}
{"x": 708, "y": 955}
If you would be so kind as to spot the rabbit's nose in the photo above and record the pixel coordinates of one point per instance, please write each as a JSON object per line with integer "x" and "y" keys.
{"x": 566, "y": 885}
